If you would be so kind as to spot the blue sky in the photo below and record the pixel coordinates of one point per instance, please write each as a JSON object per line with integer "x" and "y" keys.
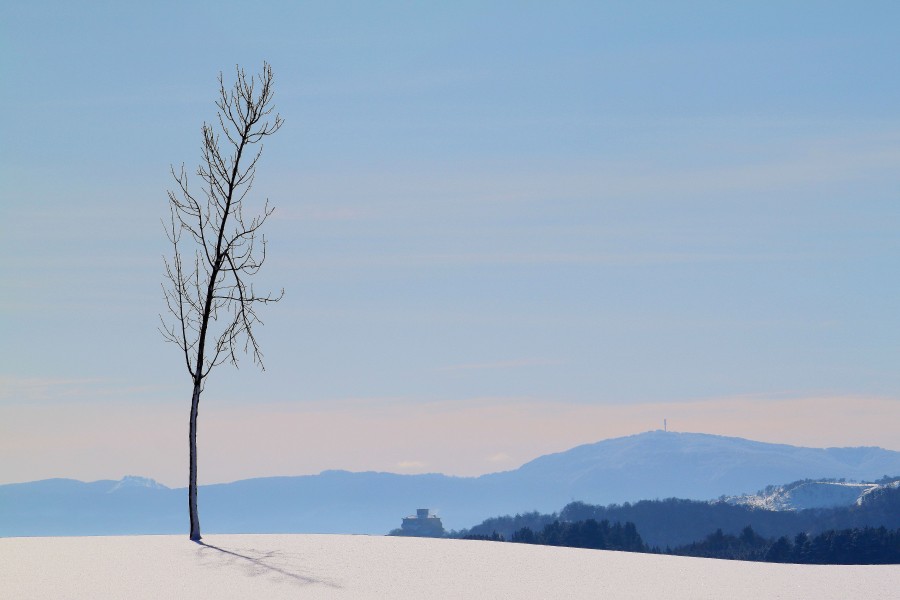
{"x": 502, "y": 228}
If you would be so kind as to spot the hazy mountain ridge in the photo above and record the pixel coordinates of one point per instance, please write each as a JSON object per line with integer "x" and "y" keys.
{"x": 650, "y": 465}
{"x": 697, "y": 466}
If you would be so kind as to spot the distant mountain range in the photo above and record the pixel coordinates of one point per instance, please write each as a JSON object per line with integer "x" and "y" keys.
{"x": 650, "y": 465}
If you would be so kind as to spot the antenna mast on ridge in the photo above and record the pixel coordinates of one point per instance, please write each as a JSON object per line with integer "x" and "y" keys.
{"x": 665, "y": 425}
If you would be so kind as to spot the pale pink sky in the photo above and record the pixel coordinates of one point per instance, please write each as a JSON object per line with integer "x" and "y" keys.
{"x": 105, "y": 440}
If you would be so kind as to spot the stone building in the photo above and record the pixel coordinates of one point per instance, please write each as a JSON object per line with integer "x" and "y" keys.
{"x": 422, "y": 524}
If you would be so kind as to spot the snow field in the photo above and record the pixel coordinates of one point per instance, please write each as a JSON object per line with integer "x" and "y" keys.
{"x": 343, "y": 567}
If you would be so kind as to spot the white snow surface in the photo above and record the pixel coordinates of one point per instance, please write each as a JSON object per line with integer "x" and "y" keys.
{"x": 341, "y": 566}
{"x": 135, "y": 481}
{"x": 876, "y": 490}
{"x": 807, "y": 494}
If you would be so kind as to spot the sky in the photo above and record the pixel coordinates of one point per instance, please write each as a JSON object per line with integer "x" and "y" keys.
{"x": 503, "y": 229}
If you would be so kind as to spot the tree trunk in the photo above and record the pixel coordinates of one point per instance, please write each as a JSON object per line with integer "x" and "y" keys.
{"x": 192, "y": 485}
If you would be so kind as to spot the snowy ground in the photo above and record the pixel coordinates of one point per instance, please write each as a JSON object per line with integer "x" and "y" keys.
{"x": 339, "y": 566}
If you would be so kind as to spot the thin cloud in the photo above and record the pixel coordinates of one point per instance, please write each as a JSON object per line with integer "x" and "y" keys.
{"x": 502, "y": 364}
{"x": 406, "y": 465}
{"x": 320, "y": 214}
{"x": 44, "y": 388}
{"x": 801, "y": 161}
{"x": 500, "y": 457}
{"x": 624, "y": 259}
{"x": 55, "y": 389}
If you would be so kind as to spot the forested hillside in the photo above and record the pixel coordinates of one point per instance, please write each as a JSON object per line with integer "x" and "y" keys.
{"x": 674, "y": 522}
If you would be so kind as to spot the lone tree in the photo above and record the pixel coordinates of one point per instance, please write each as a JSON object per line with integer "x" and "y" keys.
{"x": 216, "y": 249}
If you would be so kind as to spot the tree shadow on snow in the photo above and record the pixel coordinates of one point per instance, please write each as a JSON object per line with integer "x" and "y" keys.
{"x": 271, "y": 562}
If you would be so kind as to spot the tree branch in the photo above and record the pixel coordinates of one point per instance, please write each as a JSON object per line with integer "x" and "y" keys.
{"x": 225, "y": 245}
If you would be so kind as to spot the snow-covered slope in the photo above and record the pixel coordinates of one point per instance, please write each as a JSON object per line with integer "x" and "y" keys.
{"x": 872, "y": 495}
{"x": 273, "y": 567}
{"x": 805, "y": 494}
{"x": 801, "y": 495}
{"x": 133, "y": 481}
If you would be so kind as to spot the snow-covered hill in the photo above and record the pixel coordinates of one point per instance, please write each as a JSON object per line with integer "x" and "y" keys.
{"x": 134, "y": 481}
{"x": 805, "y": 494}
{"x": 801, "y": 495}
{"x": 273, "y": 567}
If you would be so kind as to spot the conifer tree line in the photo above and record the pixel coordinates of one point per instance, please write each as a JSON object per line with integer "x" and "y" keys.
{"x": 582, "y": 534}
{"x": 866, "y": 546}
{"x": 867, "y": 533}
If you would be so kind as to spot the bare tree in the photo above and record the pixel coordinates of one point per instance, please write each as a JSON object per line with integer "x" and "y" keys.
{"x": 216, "y": 248}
